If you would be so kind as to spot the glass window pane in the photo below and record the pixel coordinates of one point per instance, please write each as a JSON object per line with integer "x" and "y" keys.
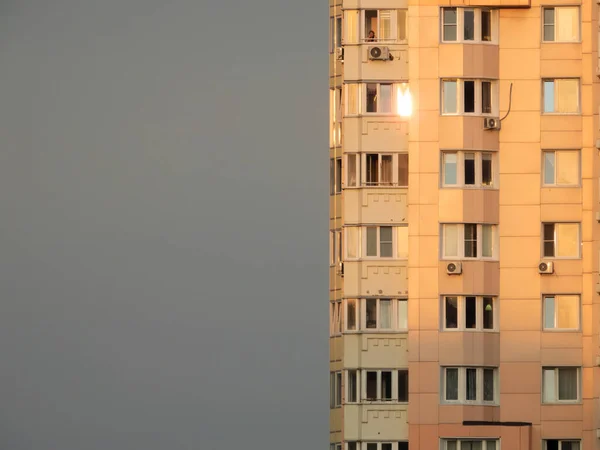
{"x": 404, "y": 445}
{"x": 567, "y": 165}
{"x": 351, "y": 315}
{"x": 549, "y": 96}
{"x": 570, "y": 445}
{"x": 487, "y": 239}
{"x": 567, "y": 24}
{"x": 567, "y": 311}
{"x": 403, "y": 385}
{"x": 567, "y": 383}
{"x": 352, "y": 26}
{"x": 352, "y": 446}
{"x": 470, "y": 240}
{"x": 403, "y": 169}
{"x": 386, "y": 385}
{"x": 486, "y": 25}
{"x": 451, "y": 240}
{"x": 370, "y": 25}
{"x": 451, "y": 305}
{"x": 386, "y": 170}
{"x": 452, "y": 384}
{"x": 549, "y": 168}
{"x": 469, "y": 24}
{"x": 486, "y": 169}
{"x": 331, "y": 177}
{"x": 450, "y": 166}
{"x": 403, "y": 314}
{"x": 469, "y": 96}
{"x": 386, "y": 446}
{"x": 371, "y": 446}
{"x": 470, "y": 312}
{"x": 385, "y": 314}
{"x": 352, "y": 93}
{"x": 371, "y": 385}
{"x": 338, "y": 176}
{"x": 372, "y": 169}
{"x": 469, "y": 169}
{"x": 385, "y": 242}
{"x": 567, "y": 235}
{"x": 371, "y": 313}
{"x": 338, "y": 32}
{"x": 567, "y": 95}
{"x": 401, "y": 24}
{"x": 385, "y": 24}
{"x": 352, "y": 385}
{"x": 549, "y": 312}
{"x": 471, "y": 384}
{"x": 371, "y": 241}
{"x": 449, "y": 21}
{"x": 351, "y": 241}
{"x": 488, "y": 313}
{"x": 338, "y": 388}
{"x": 549, "y": 24}
{"x": 352, "y": 170}
{"x": 549, "y": 239}
{"x": 450, "y": 445}
{"x": 402, "y": 247}
{"x": 490, "y": 445}
{"x": 488, "y": 385}
{"x": 486, "y": 97}
{"x": 371, "y": 98}
{"x": 549, "y": 383}
{"x": 449, "y": 99}
{"x": 385, "y": 102}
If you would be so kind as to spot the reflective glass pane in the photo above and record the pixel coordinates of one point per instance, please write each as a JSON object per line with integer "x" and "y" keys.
{"x": 451, "y": 305}
{"x": 371, "y": 313}
{"x": 549, "y": 312}
{"x": 567, "y": 24}
{"x": 371, "y": 241}
{"x": 385, "y": 314}
{"x": 549, "y": 96}
{"x": 450, "y": 166}
{"x": 567, "y": 383}
{"x": 567, "y": 311}
{"x": 451, "y": 384}
{"x": 469, "y": 24}
{"x": 451, "y": 240}
{"x": 385, "y": 102}
{"x": 449, "y": 101}
{"x": 568, "y": 239}
{"x": 567, "y": 165}
{"x": 549, "y": 168}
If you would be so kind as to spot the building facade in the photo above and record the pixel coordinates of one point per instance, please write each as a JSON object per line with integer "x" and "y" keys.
{"x": 464, "y": 225}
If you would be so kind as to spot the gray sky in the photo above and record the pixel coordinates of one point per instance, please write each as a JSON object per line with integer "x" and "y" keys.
{"x": 163, "y": 194}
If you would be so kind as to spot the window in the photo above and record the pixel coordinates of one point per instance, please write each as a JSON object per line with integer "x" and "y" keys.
{"x": 351, "y": 20}
{"x": 468, "y": 169}
{"x": 469, "y": 240}
{"x": 335, "y": 446}
{"x": 335, "y": 389}
{"x": 384, "y": 385}
{"x": 377, "y": 242}
{"x": 335, "y": 29}
{"x": 378, "y": 98}
{"x": 470, "y": 313}
{"x": 563, "y": 444}
{"x": 561, "y": 95}
{"x": 380, "y": 169}
{"x": 477, "y": 97}
{"x": 561, "y": 240}
{"x": 468, "y": 25}
{"x": 335, "y": 176}
{"x": 376, "y": 314}
{"x": 402, "y": 445}
{"x": 469, "y": 385}
{"x": 560, "y": 384}
{"x": 561, "y": 24}
{"x": 561, "y": 312}
{"x": 335, "y": 114}
{"x": 385, "y": 25}
{"x": 335, "y": 318}
{"x": 470, "y": 444}
{"x": 335, "y": 247}
{"x": 561, "y": 168}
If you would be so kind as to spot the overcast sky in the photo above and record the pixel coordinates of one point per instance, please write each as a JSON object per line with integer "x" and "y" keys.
{"x": 163, "y": 227}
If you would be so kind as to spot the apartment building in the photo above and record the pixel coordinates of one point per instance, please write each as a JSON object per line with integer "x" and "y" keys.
{"x": 464, "y": 224}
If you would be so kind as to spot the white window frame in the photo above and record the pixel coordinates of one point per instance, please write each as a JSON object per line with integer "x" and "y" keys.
{"x": 484, "y": 441}
{"x": 335, "y": 318}
{"x": 395, "y": 445}
{"x": 460, "y": 169}
{"x": 335, "y": 389}
{"x": 398, "y": 87}
{"x": 361, "y": 244}
{"x": 461, "y": 242}
{"x": 394, "y": 28}
{"x": 335, "y": 117}
{"x": 399, "y": 313}
{"x": 556, "y": 243}
{"x": 556, "y": 168}
{"x": 462, "y": 381}
{"x": 361, "y": 169}
{"x": 554, "y": 8}
{"x": 555, "y": 328}
{"x": 335, "y": 446}
{"x": 362, "y": 378}
{"x": 556, "y": 384}
{"x": 335, "y": 33}
{"x": 336, "y": 247}
{"x": 462, "y": 313}
{"x": 460, "y": 107}
{"x": 477, "y": 39}
{"x": 560, "y": 442}
{"x": 558, "y": 113}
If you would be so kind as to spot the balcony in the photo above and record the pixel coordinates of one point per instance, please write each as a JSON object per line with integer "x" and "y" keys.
{"x": 375, "y": 422}
{"x": 376, "y": 205}
{"x": 379, "y": 277}
{"x": 376, "y": 350}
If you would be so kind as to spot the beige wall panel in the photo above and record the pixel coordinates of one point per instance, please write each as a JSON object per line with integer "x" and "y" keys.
{"x": 517, "y": 283}
{"x": 394, "y": 70}
{"x": 561, "y": 196}
{"x": 376, "y": 205}
{"x": 526, "y": 33}
{"x": 370, "y": 350}
{"x": 477, "y": 278}
{"x": 480, "y": 61}
{"x": 520, "y": 315}
{"x": 520, "y": 158}
{"x": 519, "y": 189}
{"x": 520, "y": 408}
{"x": 560, "y": 139}
{"x": 521, "y": 378}
{"x": 363, "y": 278}
{"x": 519, "y": 220}
{"x": 528, "y": 67}
{"x": 370, "y": 422}
{"x": 560, "y": 123}
{"x": 519, "y": 346}
{"x": 467, "y": 348}
{"x": 520, "y": 252}
{"x": 521, "y": 126}
{"x": 526, "y": 96}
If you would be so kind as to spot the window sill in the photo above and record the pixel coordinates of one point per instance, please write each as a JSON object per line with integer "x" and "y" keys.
{"x": 376, "y": 331}
{"x": 466, "y": 403}
{"x": 561, "y": 42}
{"x": 378, "y": 402}
{"x": 463, "y": 42}
{"x": 563, "y": 258}
{"x": 563, "y": 403}
{"x": 561, "y": 330}
{"x": 469, "y": 330}
{"x": 463, "y": 114}
{"x": 561, "y": 186}
{"x": 467, "y": 259}
{"x": 550, "y": 114}
{"x": 469, "y": 187}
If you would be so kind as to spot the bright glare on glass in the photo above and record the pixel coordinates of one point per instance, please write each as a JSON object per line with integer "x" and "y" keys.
{"x": 403, "y": 100}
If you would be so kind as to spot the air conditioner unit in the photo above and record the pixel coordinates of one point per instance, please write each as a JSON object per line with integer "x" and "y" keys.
{"x": 340, "y": 269}
{"x": 454, "y": 268}
{"x": 379, "y": 53}
{"x": 546, "y": 267}
{"x": 491, "y": 123}
{"x": 339, "y": 53}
